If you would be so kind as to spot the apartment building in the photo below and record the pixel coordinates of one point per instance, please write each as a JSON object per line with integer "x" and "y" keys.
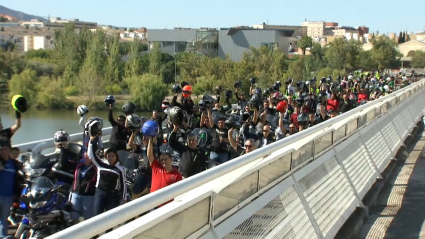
{"x": 298, "y": 30}
{"x": 37, "y": 42}
{"x": 314, "y": 29}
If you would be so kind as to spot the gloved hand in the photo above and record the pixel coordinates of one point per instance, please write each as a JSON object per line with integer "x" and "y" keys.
{"x": 17, "y": 114}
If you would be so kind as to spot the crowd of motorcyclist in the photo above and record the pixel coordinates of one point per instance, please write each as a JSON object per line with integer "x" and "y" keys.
{"x": 147, "y": 154}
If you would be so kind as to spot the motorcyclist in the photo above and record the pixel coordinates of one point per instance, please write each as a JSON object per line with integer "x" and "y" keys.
{"x": 67, "y": 158}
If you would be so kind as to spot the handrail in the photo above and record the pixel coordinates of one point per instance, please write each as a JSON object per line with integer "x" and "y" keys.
{"x": 49, "y": 142}
{"x": 127, "y": 211}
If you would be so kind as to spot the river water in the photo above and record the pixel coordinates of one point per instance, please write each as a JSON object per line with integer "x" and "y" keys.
{"x": 42, "y": 124}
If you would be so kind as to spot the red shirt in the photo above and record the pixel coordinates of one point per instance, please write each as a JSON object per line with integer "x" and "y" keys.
{"x": 294, "y": 119}
{"x": 332, "y": 104}
{"x": 162, "y": 178}
{"x": 362, "y": 96}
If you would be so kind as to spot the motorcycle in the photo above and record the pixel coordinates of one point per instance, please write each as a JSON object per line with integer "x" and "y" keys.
{"x": 41, "y": 209}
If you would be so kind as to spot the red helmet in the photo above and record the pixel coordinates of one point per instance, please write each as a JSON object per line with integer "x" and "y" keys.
{"x": 282, "y": 106}
{"x": 187, "y": 91}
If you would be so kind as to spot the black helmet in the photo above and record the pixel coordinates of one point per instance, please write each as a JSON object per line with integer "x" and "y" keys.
{"x": 94, "y": 126}
{"x": 176, "y": 115}
{"x": 184, "y": 83}
{"x": 176, "y": 88}
{"x": 300, "y": 100}
{"x": 218, "y": 90}
{"x": 252, "y": 80}
{"x": 109, "y": 100}
{"x": 228, "y": 94}
{"x": 232, "y": 122}
{"x": 302, "y": 118}
{"x": 128, "y": 108}
{"x": 277, "y": 86}
{"x": 323, "y": 96}
{"x": 238, "y": 84}
{"x": 266, "y": 92}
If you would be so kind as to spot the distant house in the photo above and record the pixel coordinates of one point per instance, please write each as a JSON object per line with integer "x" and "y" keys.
{"x": 412, "y": 45}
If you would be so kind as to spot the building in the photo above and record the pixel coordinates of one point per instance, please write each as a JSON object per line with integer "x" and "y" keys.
{"x": 203, "y": 41}
{"x": 315, "y": 29}
{"x": 234, "y": 42}
{"x": 412, "y": 45}
{"x": 347, "y": 32}
{"x": 58, "y": 22}
{"x": 298, "y": 30}
{"x": 37, "y": 42}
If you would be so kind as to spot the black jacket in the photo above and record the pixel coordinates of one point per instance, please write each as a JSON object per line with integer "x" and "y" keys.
{"x": 85, "y": 185}
{"x": 191, "y": 161}
{"x": 119, "y": 132}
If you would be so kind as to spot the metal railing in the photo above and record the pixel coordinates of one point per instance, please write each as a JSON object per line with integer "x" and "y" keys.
{"x": 263, "y": 193}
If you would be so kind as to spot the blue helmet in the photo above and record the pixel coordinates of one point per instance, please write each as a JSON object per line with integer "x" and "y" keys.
{"x": 150, "y": 128}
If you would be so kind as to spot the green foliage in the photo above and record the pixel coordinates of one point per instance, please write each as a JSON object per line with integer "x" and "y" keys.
{"x": 24, "y": 84}
{"x": 418, "y": 59}
{"x": 304, "y": 43}
{"x": 51, "y": 94}
{"x": 384, "y": 53}
{"x": 71, "y": 90}
{"x": 147, "y": 91}
{"x": 113, "y": 89}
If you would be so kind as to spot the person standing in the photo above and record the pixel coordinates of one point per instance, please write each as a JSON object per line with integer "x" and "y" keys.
{"x": 6, "y": 134}
{"x": 10, "y": 187}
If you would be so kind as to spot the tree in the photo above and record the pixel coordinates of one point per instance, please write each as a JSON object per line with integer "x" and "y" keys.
{"x": 336, "y": 53}
{"x": 3, "y": 19}
{"x": 403, "y": 37}
{"x": 24, "y": 84}
{"x": 385, "y": 53}
{"x": 400, "y": 38}
{"x": 304, "y": 43}
{"x": 133, "y": 66}
{"x": 418, "y": 59}
{"x": 50, "y": 94}
{"x": 147, "y": 91}
{"x": 113, "y": 69}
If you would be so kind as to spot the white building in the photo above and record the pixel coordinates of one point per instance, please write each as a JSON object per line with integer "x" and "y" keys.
{"x": 37, "y": 42}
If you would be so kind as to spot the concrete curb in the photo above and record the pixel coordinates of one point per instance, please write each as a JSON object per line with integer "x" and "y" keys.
{"x": 354, "y": 223}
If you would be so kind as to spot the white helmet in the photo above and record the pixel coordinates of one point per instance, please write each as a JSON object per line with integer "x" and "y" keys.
{"x": 133, "y": 122}
{"x": 61, "y": 139}
{"x": 82, "y": 110}
{"x": 94, "y": 126}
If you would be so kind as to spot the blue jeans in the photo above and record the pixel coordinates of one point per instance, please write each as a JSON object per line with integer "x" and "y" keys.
{"x": 105, "y": 200}
{"x": 141, "y": 182}
{"x": 5, "y": 204}
{"x": 217, "y": 158}
{"x": 82, "y": 205}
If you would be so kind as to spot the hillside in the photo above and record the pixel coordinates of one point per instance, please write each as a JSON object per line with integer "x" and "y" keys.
{"x": 20, "y": 16}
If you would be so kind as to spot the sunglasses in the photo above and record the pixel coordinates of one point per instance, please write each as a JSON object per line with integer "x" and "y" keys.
{"x": 292, "y": 127}
{"x": 248, "y": 146}
{"x": 187, "y": 92}
{"x": 120, "y": 120}
{"x": 266, "y": 131}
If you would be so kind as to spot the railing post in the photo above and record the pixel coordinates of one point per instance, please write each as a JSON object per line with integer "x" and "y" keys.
{"x": 307, "y": 208}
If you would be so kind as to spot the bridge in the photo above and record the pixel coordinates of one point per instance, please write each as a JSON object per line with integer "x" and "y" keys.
{"x": 319, "y": 183}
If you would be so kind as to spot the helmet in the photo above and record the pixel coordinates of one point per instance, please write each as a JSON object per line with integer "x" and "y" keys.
{"x": 82, "y": 110}
{"x": 132, "y": 122}
{"x": 19, "y": 103}
{"x": 302, "y": 118}
{"x": 238, "y": 84}
{"x": 61, "y": 138}
{"x": 278, "y": 96}
{"x": 228, "y": 94}
{"x": 176, "y": 88}
{"x": 128, "y": 108}
{"x": 231, "y": 122}
{"x": 277, "y": 85}
{"x": 176, "y": 115}
{"x": 94, "y": 126}
{"x": 187, "y": 91}
{"x": 300, "y": 100}
{"x": 323, "y": 96}
{"x": 252, "y": 80}
{"x": 184, "y": 83}
{"x": 109, "y": 100}
{"x": 218, "y": 90}
{"x": 165, "y": 104}
{"x": 282, "y": 106}
{"x": 150, "y": 128}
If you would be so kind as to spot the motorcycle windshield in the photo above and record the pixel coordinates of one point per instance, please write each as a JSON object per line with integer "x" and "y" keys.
{"x": 37, "y": 158}
{"x": 40, "y": 192}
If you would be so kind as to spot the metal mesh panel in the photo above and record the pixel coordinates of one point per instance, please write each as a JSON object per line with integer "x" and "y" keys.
{"x": 378, "y": 149}
{"x": 377, "y": 111}
{"x": 328, "y": 194}
{"x": 398, "y": 121}
{"x": 357, "y": 165}
{"x": 283, "y": 217}
{"x": 370, "y": 115}
{"x": 390, "y": 134}
{"x": 412, "y": 112}
{"x": 407, "y": 119}
{"x": 182, "y": 224}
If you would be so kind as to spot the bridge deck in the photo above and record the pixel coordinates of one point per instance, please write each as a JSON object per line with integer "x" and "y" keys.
{"x": 400, "y": 208}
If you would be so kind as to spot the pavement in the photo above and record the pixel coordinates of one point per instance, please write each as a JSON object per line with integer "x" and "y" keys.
{"x": 399, "y": 211}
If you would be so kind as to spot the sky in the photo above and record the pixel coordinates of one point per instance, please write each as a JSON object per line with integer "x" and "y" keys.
{"x": 384, "y": 16}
